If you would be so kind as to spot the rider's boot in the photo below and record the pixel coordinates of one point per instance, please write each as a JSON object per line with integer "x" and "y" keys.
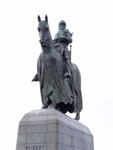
{"x": 68, "y": 66}
{"x": 77, "y": 116}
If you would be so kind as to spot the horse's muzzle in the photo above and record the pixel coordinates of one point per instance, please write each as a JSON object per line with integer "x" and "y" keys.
{"x": 43, "y": 42}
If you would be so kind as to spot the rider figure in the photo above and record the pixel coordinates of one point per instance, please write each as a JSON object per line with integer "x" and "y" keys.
{"x": 63, "y": 37}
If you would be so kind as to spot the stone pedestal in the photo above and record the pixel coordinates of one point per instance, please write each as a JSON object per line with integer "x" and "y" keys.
{"x": 49, "y": 129}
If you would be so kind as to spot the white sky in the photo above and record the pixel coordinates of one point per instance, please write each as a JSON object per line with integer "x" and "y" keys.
{"x": 91, "y": 23}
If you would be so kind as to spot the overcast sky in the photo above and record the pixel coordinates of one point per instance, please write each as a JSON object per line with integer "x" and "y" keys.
{"x": 91, "y": 24}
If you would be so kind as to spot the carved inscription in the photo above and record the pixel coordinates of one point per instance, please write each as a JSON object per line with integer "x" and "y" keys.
{"x": 35, "y": 147}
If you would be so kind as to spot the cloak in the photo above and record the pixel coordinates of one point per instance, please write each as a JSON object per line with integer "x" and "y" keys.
{"x": 53, "y": 85}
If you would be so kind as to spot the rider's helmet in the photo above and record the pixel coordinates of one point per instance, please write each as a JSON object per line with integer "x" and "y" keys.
{"x": 62, "y": 24}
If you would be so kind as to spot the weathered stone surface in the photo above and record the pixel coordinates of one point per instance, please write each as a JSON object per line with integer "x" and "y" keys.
{"x": 49, "y": 129}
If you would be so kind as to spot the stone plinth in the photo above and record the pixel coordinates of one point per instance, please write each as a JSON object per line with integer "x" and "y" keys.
{"x": 49, "y": 129}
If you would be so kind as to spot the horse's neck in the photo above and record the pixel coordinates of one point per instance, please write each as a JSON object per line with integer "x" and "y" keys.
{"x": 47, "y": 50}
{"x": 50, "y": 39}
{"x": 50, "y": 46}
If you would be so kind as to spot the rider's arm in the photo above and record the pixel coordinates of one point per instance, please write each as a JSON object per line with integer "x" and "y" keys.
{"x": 68, "y": 36}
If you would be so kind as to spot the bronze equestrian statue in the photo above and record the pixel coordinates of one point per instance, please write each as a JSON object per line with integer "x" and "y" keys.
{"x": 60, "y": 80}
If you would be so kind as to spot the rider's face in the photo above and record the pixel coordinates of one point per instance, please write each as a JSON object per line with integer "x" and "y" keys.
{"x": 62, "y": 27}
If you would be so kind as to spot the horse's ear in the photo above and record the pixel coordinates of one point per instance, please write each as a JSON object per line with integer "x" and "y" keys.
{"x": 46, "y": 18}
{"x": 39, "y": 19}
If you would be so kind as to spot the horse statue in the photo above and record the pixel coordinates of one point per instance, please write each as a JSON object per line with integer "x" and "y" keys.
{"x": 63, "y": 94}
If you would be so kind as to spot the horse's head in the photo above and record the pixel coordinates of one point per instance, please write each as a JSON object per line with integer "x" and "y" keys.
{"x": 44, "y": 33}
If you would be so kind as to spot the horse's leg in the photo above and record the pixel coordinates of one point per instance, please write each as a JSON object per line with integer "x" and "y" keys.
{"x": 52, "y": 104}
{"x": 47, "y": 104}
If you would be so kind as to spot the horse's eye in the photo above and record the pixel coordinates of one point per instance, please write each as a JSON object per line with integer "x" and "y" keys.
{"x": 38, "y": 29}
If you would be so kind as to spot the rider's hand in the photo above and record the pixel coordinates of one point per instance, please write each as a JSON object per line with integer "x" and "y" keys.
{"x": 63, "y": 38}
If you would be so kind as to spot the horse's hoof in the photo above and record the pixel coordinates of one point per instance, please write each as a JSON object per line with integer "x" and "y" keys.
{"x": 44, "y": 106}
{"x": 51, "y": 106}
